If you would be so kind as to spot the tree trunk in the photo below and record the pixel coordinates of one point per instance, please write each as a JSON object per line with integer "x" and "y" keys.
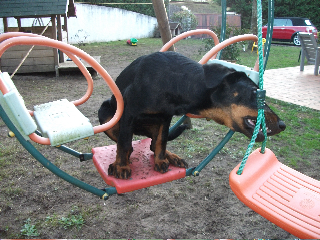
{"x": 163, "y": 22}
{"x": 164, "y": 28}
{"x": 254, "y": 27}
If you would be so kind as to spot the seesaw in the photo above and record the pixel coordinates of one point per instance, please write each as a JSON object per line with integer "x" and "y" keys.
{"x": 60, "y": 122}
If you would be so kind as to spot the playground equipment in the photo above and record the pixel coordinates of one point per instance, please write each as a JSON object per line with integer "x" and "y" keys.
{"x": 280, "y": 194}
{"x": 20, "y": 122}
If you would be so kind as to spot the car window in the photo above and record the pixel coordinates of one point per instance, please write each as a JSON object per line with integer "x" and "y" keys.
{"x": 308, "y": 23}
{"x": 280, "y": 22}
{"x": 299, "y": 22}
{"x": 289, "y": 22}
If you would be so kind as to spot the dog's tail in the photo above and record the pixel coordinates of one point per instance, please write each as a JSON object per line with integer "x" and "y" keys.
{"x": 179, "y": 130}
{"x": 106, "y": 111}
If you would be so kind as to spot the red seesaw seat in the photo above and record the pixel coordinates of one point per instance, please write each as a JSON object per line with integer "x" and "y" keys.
{"x": 282, "y": 195}
{"x": 142, "y": 163}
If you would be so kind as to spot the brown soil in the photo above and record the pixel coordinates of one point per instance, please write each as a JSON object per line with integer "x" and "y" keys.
{"x": 193, "y": 207}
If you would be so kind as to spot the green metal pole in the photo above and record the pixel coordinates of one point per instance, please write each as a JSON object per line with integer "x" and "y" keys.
{"x": 215, "y": 151}
{"x": 81, "y": 156}
{"x": 223, "y": 20}
{"x": 223, "y": 24}
{"x": 178, "y": 123}
{"x": 269, "y": 32}
{"x": 46, "y": 163}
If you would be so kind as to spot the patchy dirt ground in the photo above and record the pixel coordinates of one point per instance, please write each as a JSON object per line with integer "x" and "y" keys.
{"x": 193, "y": 207}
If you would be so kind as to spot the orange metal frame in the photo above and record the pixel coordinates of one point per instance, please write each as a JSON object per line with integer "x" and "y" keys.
{"x": 13, "y": 39}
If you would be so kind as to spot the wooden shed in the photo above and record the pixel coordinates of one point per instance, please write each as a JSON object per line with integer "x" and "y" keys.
{"x": 41, "y": 59}
{"x": 175, "y": 28}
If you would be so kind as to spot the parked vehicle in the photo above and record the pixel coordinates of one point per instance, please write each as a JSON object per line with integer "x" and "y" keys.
{"x": 286, "y": 29}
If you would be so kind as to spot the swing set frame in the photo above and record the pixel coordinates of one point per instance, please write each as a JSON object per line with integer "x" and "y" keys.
{"x": 303, "y": 228}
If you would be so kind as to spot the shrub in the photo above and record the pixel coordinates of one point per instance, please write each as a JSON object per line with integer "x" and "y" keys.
{"x": 187, "y": 20}
{"x": 231, "y": 52}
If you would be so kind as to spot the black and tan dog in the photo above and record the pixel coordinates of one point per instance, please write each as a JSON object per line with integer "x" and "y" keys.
{"x": 157, "y": 86}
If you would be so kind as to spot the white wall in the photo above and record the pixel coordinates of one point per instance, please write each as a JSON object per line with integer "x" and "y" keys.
{"x": 109, "y": 24}
{"x": 101, "y": 24}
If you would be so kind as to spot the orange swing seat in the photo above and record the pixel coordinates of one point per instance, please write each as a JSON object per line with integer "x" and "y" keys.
{"x": 281, "y": 194}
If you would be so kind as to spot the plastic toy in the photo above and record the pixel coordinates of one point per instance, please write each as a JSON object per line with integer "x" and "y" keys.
{"x": 132, "y": 42}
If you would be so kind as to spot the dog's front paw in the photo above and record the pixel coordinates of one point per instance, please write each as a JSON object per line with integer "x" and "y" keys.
{"x": 161, "y": 166}
{"x": 122, "y": 172}
{"x": 175, "y": 160}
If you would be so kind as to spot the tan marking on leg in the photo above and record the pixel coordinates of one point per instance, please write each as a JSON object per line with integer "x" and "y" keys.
{"x": 119, "y": 169}
{"x": 160, "y": 162}
{"x": 158, "y": 149}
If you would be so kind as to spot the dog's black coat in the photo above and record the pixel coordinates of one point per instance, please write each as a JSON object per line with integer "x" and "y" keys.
{"x": 157, "y": 86}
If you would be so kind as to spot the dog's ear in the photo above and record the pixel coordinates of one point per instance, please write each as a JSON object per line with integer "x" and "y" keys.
{"x": 215, "y": 73}
{"x": 235, "y": 77}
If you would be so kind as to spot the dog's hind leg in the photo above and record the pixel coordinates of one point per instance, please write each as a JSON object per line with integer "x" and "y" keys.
{"x": 105, "y": 113}
{"x": 162, "y": 157}
{"x": 120, "y": 168}
{"x": 161, "y": 164}
{"x": 179, "y": 130}
{"x": 175, "y": 160}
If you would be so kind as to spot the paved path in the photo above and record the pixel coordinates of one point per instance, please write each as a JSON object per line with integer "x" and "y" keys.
{"x": 291, "y": 85}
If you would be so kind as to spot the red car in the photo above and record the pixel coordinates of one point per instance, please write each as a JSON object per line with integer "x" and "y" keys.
{"x": 286, "y": 29}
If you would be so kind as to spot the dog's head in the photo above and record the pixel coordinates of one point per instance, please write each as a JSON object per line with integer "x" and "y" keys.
{"x": 233, "y": 99}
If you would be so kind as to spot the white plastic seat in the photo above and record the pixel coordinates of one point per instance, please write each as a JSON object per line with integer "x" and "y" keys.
{"x": 13, "y": 105}
{"x": 62, "y": 122}
{"x": 253, "y": 75}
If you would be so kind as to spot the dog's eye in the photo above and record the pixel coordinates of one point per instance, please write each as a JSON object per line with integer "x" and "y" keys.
{"x": 254, "y": 94}
{"x": 254, "y": 91}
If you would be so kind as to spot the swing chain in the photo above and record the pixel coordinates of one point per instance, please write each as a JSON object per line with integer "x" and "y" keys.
{"x": 261, "y": 95}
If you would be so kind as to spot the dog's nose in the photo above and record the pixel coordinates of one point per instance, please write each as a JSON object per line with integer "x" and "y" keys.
{"x": 282, "y": 125}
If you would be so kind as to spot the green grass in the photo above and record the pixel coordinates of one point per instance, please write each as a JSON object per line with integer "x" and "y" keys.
{"x": 279, "y": 57}
{"x": 29, "y": 230}
{"x": 116, "y": 44}
{"x": 300, "y": 140}
{"x": 73, "y": 219}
